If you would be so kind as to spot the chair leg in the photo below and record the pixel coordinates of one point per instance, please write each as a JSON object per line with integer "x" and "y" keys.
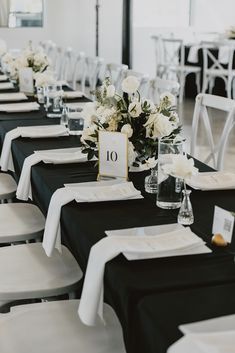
{"x": 229, "y": 88}
{"x": 205, "y": 84}
{"x": 211, "y": 85}
{"x": 182, "y": 84}
{"x": 198, "y": 82}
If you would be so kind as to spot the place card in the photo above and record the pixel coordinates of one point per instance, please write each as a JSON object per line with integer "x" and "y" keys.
{"x": 223, "y": 223}
{"x": 113, "y": 154}
{"x": 26, "y": 80}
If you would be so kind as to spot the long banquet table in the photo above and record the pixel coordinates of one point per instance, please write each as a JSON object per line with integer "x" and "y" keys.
{"x": 150, "y": 297}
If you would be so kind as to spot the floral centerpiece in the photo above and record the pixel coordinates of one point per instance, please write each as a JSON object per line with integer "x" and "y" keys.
{"x": 139, "y": 118}
{"x": 32, "y": 58}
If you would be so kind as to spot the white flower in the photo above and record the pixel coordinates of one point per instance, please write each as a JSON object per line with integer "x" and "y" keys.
{"x": 87, "y": 132}
{"x": 40, "y": 60}
{"x": 149, "y": 105}
{"x": 158, "y": 125}
{"x": 131, "y": 153}
{"x": 181, "y": 167}
{"x": 174, "y": 117}
{"x": 110, "y": 91}
{"x": 130, "y": 84}
{"x": 89, "y": 113}
{"x": 113, "y": 123}
{"x": 168, "y": 97}
{"x": 150, "y": 163}
{"x": 43, "y": 79}
{"x": 127, "y": 129}
{"x": 135, "y": 109}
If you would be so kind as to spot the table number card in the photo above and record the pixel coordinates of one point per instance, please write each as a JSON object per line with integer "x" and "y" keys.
{"x": 113, "y": 154}
{"x": 223, "y": 223}
{"x": 26, "y": 80}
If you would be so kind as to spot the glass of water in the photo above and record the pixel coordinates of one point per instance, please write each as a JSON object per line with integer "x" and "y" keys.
{"x": 54, "y": 101}
{"x": 75, "y": 121}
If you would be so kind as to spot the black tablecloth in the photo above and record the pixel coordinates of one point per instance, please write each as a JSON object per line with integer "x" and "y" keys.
{"x": 127, "y": 283}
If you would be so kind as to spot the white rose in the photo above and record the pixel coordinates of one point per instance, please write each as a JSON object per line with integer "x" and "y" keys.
{"x": 127, "y": 129}
{"x": 43, "y": 79}
{"x": 150, "y": 105}
{"x": 86, "y": 134}
{"x": 150, "y": 163}
{"x": 130, "y": 84}
{"x": 89, "y": 113}
{"x": 110, "y": 91}
{"x": 131, "y": 153}
{"x": 181, "y": 167}
{"x": 135, "y": 109}
{"x": 170, "y": 98}
{"x": 158, "y": 125}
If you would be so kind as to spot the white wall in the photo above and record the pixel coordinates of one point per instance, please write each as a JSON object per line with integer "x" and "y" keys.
{"x": 72, "y": 23}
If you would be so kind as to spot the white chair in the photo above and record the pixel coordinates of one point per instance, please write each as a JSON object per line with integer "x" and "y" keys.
{"x": 217, "y": 151}
{"x": 26, "y": 272}
{"x": 55, "y": 327}
{"x": 214, "y": 66}
{"x": 159, "y": 85}
{"x": 172, "y": 64}
{"x": 20, "y": 222}
{"x": 56, "y": 56}
{"x": 91, "y": 73}
{"x": 116, "y": 73}
{"x": 79, "y": 76}
{"x": 144, "y": 81}
{"x": 67, "y": 67}
{"x": 7, "y": 188}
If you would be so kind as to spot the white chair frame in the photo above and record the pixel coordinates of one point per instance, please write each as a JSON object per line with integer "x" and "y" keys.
{"x": 217, "y": 69}
{"x": 217, "y": 152}
{"x": 159, "y": 85}
{"x": 116, "y": 73}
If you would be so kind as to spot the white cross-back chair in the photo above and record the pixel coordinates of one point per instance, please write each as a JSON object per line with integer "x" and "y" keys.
{"x": 143, "y": 78}
{"x": 172, "y": 63}
{"x": 160, "y": 85}
{"x": 217, "y": 150}
{"x": 67, "y": 67}
{"x": 54, "y": 327}
{"x": 116, "y": 73}
{"x": 214, "y": 67}
{"x": 56, "y": 56}
{"x": 92, "y": 72}
{"x": 79, "y": 76}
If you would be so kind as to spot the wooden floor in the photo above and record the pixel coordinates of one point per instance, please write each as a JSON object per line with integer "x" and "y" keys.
{"x": 186, "y": 114}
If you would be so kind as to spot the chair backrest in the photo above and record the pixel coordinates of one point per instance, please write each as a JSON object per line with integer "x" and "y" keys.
{"x": 144, "y": 81}
{"x": 159, "y": 85}
{"x": 67, "y": 66}
{"x": 79, "y": 71}
{"x": 217, "y": 151}
{"x": 159, "y": 53}
{"x": 116, "y": 73}
{"x": 92, "y": 71}
{"x": 56, "y": 56}
{"x": 218, "y": 56}
{"x": 173, "y": 51}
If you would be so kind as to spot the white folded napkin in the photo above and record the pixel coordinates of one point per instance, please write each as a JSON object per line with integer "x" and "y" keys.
{"x": 165, "y": 232}
{"x": 73, "y": 94}
{"x": 6, "y": 161}
{"x": 86, "y": 192}
{"x": 3, "y": 78}
{"x": 193, "y": 54}
{"x": 19, "y": 107}
{"x": 212, "y": 181}
{"x": 108, "y": 248}
{"x": 218, "y": 324}
{"x": 18, "y": 96}
{"x": 6, "y": 85}
{"x": 56, "y": 156}
{"x": 218, "y": 342}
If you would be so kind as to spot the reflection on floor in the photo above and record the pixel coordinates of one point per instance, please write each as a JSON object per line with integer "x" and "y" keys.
{"x": 186, "y": 115}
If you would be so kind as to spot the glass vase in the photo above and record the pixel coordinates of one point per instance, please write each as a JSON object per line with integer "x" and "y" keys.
{"x": 169, "y": 188}
{"x": 151, "y": 182}
{"x": 185, "y": 216}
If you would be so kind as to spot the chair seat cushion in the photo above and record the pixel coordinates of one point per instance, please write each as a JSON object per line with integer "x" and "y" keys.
{"x": 20, "y": 221}
{"x": 7, "y": 186}
{"x": 26, "y": 272}
{"x": 54, "y": 327}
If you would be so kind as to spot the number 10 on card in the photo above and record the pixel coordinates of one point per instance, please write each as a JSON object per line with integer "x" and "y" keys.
{"x": 113, "y": 154}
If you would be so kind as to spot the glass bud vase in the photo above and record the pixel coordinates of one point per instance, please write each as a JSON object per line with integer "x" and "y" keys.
{"x": 151, "y": 182}
{"x": 185, "y": 216}
{"x": 169, "y": 194}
